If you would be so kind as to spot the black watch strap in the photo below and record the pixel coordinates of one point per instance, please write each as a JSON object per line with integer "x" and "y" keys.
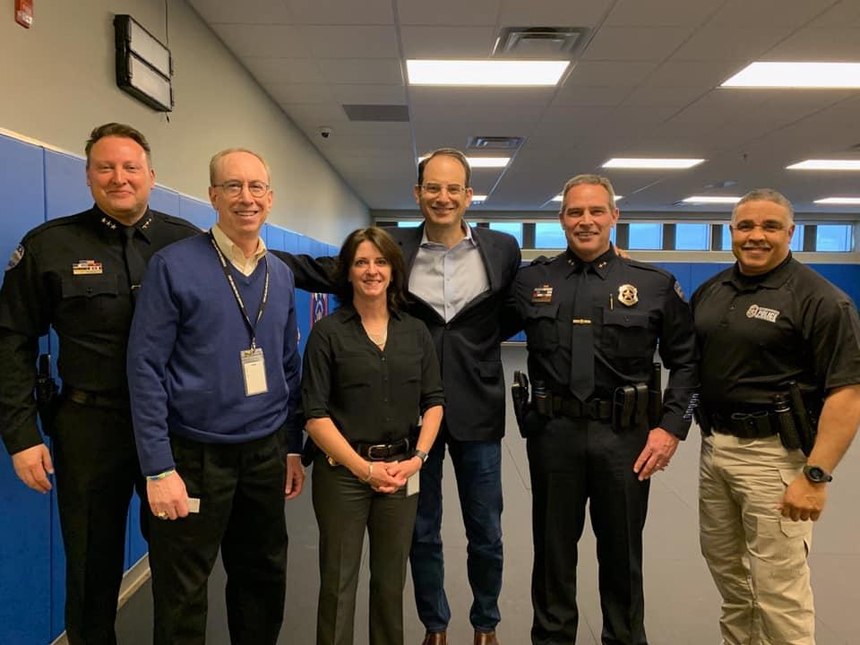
{"x": 817, "y": 475}
{"x": 421, "y": 455}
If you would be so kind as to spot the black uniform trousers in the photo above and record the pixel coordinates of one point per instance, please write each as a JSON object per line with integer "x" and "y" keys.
{"x": 345, "y": 508}
{"x": 574, "y": 461}
{"x": 96, "y": 471}
{"x": 241, "y": 492}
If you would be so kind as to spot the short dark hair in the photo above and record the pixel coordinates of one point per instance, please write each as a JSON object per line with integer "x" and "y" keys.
{"x": 445, "y": 152}
{"x": 765, "y": 195}
{"x": 117, "y": 130}
{"x": 390, "y": 251}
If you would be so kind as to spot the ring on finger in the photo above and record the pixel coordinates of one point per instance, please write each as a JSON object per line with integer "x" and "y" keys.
{"x": 162, "y": 515}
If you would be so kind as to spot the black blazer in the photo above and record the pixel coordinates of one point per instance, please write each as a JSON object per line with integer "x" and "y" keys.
{"x": 468, "y": 346}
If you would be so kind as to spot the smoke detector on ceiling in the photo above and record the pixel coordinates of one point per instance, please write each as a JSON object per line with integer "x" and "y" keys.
{"x": 540, "y": 42}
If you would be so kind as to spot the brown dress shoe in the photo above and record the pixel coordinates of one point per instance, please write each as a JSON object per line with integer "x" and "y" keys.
{"x": 435, "y": 638}
{"x": 486, "y": 638}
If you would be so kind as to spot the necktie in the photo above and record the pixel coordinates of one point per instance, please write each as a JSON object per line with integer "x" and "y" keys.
{"x": 582, "y": 340}
{"x": 135, "y": 265}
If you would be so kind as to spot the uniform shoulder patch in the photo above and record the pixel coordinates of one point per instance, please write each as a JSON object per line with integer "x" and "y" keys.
{"x": 17, "y": 256}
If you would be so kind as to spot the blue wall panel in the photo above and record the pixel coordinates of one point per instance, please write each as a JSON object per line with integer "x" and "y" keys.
{"x": 196, "y": 212}
{"x": 66, "y": 189}
{"x": 845, "y": 276}
{"x": 164, "y": 200}
{"x": 25, "y": 533}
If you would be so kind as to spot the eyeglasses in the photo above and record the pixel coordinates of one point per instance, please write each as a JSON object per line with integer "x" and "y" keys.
{"x": 234, "y": 188}
{"x": 767, "y": 227}
{"x": 432, "y": 190}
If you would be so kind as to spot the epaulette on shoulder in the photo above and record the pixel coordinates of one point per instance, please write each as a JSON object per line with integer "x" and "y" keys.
{"x": 647, "y": 266}
{"x": 58, "y": 222}
{"x": 542, "y": 259}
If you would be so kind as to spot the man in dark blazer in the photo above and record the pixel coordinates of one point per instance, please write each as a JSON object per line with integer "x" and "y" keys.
{"x": 459, "y": 278}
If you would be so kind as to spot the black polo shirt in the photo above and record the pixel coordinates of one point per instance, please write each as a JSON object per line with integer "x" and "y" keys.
{"x": 70, "y": 274}
{"x": 371, "y": 395}
{"x": 756, "y": 333}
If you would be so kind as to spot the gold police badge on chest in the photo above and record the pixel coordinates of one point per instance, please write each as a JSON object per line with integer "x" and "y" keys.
{"x": 628, "y": 295}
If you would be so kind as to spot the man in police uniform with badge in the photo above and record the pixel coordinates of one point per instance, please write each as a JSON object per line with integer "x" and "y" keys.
{"x": 780, "y": 405}
{"x": 80, "y": 275}
{"x": 214, "y": 370}
{"x": 597, "y": 427}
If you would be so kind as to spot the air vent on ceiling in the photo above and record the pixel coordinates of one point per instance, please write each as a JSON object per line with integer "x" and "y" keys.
{"x": 540, "y": 42}
{"x": 377, "y": 112}
{"x": 495, "y": 143}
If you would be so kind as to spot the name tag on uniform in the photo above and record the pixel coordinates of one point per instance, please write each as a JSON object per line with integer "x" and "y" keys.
{"x": 87, "y": 267}
{"x": 254, "y": 371}
{"x": 542, "y": 294}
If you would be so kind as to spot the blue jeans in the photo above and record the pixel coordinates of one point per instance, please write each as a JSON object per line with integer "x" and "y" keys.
{"x": 478, "y": 468}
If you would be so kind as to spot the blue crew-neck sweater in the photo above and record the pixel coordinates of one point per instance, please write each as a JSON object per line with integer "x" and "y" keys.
{"x": 184, "y": 359}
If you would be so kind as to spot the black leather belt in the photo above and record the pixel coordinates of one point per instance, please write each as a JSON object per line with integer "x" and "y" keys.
{"x": 747, "y": 425}
{"x": 97, "y": 400}
{"x": 382, "y": 451}
{"x": 596, "y": 409}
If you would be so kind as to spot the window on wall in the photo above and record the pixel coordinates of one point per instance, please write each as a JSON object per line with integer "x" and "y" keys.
{"x": 412, "y": 224}
{"x": 834, "y": 238}
{"x": 549, "y": 235}
{"x": 797, "y": 239}
{"x": 511, "y": 228}
{"x": 646, "y": 235}
{"x": 692, "y": 237}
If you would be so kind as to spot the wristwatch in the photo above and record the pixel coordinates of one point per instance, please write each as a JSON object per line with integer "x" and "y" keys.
{"x": 421, "y": 455}
{"x": 817, "y": 475}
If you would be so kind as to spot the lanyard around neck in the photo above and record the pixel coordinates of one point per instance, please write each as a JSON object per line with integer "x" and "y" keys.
{"x": 252, "y": 327}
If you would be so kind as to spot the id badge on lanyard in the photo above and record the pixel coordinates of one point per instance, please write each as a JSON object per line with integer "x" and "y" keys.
{"x": 254, "y": 371}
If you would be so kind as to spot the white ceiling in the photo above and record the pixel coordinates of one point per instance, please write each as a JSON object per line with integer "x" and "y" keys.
{"x": 646, "y": 84}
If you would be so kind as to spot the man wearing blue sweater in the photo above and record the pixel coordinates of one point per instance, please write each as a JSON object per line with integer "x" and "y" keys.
{"x": 214, "y": 370}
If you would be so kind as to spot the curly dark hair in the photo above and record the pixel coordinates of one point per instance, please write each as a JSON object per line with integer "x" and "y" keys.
{"x": 390, "y": 250}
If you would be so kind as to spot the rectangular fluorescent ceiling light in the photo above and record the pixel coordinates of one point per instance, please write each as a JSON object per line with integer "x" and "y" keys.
{"x": 853, "y": 201}
{"x": 558, "y": 198}
{"x": 826, "y": 164}
{"x": 797, "y": 75}
{"x": 645, "y": 163}
{"x": 486, "y": 73}
{"x": 711, "y": 199}
{"x": 481, "y": 162}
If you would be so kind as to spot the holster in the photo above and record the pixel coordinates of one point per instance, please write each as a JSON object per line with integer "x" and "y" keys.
{"x": 47, "y": 395}
{"x": 520, "y": 398}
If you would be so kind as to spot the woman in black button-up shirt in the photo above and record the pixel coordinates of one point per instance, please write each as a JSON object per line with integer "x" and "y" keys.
{"x": 370, "y": 372}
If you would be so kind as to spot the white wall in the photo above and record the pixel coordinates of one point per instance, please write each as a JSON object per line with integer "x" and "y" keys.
{"x": 59, "y": 82}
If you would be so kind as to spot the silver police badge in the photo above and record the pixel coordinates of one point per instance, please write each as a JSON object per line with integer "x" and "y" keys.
{"x": 628, "y": 295}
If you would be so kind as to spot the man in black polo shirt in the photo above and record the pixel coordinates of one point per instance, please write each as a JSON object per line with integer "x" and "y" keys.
{"x": 763, "y": 324}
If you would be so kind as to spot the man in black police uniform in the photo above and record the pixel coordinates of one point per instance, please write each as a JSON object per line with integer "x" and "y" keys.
{"x": 783, "y": 323}
{"x": 593, "y": 320}
{"x": 79, "y": 275}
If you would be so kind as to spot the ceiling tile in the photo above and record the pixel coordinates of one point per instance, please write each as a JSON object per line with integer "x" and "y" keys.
{"x": 261, "y": 12}
{"x": 447, "y": 42}
{"x": 553, "y": 13}
{"x": 584, "y": 95}
{"x": 666, "y": 13}
{"x": 769, "y": 13}
{"x": 346, "y": 93}
{"x": 492, "y": 96}
{"x": 263, "y": 40}
{"x": 679, "y": 97}
{"x": 362, "y": 71}
{"x": 351, "y": 41}
{"x": 720, "y": 42}
{"x": 341, "y": 12}
{"x": 822, "y": 44}
{"x": 635, "y": 43}
{"x": 300, "y": 92}
{"x": 448, "y": 12}
{"x": 284, "y": 70}
{"x": 609, "y": 74}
